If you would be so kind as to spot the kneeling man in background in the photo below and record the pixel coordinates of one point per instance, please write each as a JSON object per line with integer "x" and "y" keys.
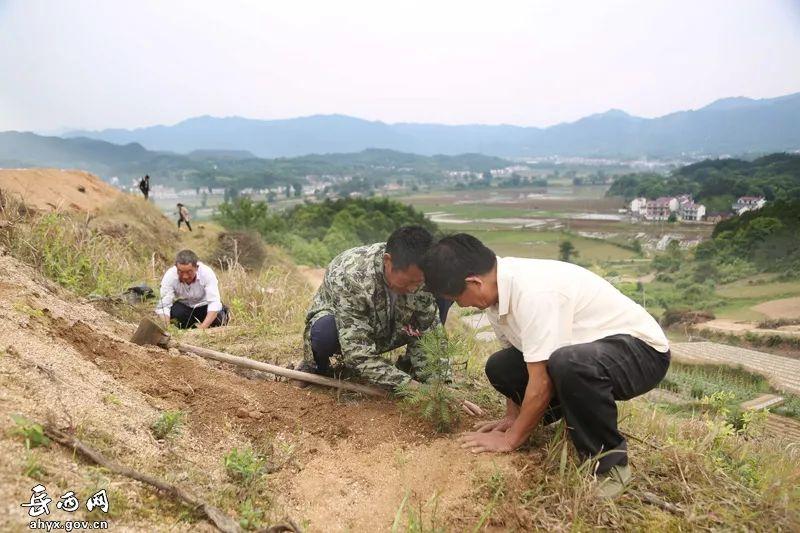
{"x": 190, "y": 295}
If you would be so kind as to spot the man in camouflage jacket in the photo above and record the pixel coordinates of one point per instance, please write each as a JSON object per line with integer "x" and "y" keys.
{"x": 371, "y": 301}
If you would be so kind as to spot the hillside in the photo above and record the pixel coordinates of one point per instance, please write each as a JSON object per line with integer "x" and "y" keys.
{"x": 262, "y": 451}
{"x": 725, "y": 127}
{"x": 719, "y": 182}
{"x": 48, "y": 188}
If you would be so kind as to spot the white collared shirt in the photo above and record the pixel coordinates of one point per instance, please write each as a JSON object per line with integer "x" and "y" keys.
{"x": 544, "y": 305}
{"x": 204, "y": 290}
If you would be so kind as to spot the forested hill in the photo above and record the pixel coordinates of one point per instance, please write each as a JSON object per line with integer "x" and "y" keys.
{"x": 767, "y": 238}
{"x": 718, "y": 182}
{"x": 225, "y": 168}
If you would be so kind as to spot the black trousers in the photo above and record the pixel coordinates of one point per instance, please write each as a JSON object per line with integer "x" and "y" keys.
{"x": 325, "y": 337}
{"x": 186, "y": 317}
{"x": 588, "y": 379}
{"x": 185, "y": 222}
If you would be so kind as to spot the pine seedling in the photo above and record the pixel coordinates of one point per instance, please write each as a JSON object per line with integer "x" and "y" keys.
{"x": 433, "y": 400}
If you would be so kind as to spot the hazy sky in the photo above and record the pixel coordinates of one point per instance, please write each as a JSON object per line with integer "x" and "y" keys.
{"x": 113, "y": 63}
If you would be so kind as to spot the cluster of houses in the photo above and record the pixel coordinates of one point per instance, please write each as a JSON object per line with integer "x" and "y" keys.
{"x": 683, "y": 207}
{"x": 748, "y": 203}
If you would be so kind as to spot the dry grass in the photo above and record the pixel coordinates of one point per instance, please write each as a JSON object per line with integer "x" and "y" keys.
{"x": 716, "y": 477}
{"x": 67, "y": 249}
{"x": 267, "y": 311}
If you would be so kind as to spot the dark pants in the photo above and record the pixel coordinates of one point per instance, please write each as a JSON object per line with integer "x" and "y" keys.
{"x": 186, "y": 317}
{"x": 325, "y": 336}
{"x": 184, "y": 221}
{"x": 588, "y": 379}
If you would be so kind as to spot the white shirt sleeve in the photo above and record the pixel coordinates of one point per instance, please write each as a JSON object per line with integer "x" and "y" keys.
{"x": 212, "y": 291}
{"x": 167, "y": 295}
{"x": 541, "y": 325}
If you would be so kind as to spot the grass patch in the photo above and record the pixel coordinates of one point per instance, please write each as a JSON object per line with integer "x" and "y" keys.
{"x": 734, "y": 385}
{"x": 759, "y": 288}
{"x": 719, "y": 479}
{"x": 168, "y": 424}
{"x": 87, "y": 255}
{"x": 33, "y": 467}
{"x": 544, "y": 244}
{"x": 245, "y": 466}
{"x": 699, "y": 381}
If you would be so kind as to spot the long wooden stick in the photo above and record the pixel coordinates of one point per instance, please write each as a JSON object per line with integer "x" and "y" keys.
{"x": 280, "y": 371}
{"x": 223, "y": 522}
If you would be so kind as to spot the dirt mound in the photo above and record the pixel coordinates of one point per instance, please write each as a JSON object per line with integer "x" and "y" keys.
{"x": 52, "y": 188}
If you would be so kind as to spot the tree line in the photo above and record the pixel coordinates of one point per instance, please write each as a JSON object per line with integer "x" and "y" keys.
{"x": 314, "y": 233}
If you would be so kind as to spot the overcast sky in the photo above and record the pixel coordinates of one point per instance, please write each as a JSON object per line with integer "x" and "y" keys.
{"x": 100, "y": 64}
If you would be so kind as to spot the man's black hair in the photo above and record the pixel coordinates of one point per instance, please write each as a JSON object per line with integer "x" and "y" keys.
{"x": 408, "y": 245}
{"x": 453, "y": 259}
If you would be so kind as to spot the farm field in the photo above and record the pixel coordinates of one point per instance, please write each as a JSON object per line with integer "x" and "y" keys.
{"x": 532, "y": 222}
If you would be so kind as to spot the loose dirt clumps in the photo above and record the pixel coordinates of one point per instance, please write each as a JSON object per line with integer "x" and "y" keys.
{"x": 52, "y": 188}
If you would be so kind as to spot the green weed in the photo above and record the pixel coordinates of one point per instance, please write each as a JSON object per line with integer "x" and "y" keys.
{"x": 243, "y": 466}
{"x": 33, "y": 468}
{"x": 32, "y": 433}
{"x": 168, "y": 424}
{"x": 250, "y": 516}
{"x": 420, "y": 519}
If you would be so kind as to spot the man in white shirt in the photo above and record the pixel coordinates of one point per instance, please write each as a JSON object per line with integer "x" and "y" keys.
{"x": 575, "y": 345}
{"x": 190, "y": 295}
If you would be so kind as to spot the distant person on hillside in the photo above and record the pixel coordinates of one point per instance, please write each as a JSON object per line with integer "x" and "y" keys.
{"x": 574, "y": 346}
{"x": 190, "y": 295}
{"x": 183, "y": 216}
{"x": 144, "y": 186}
{"x": 372, "y": 301}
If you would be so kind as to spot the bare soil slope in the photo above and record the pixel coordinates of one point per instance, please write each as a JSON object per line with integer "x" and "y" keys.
{"x": 52, "y": 188}
{"x": 348, "y": 462}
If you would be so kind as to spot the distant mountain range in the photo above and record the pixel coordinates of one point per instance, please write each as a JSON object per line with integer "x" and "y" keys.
{"x": 730, "y": 126}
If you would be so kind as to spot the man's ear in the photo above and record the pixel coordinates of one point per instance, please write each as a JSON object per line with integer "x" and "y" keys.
{"x": 474, "y": 279}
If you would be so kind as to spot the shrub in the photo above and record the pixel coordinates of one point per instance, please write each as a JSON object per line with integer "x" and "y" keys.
{"x": 243, "y": 247}
{"x": 684, "y": 316}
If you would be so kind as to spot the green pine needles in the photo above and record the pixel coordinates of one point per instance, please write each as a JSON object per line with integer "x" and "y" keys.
{"x": 433, "y": 400}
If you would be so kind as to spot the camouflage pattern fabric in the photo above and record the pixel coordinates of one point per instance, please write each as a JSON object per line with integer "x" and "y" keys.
{"x": 354, "y": 291}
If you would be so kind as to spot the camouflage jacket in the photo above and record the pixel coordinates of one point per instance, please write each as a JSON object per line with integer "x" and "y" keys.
{"x": 354, "y": 291}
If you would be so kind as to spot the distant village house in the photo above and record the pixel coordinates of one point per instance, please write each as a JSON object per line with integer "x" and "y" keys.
{"x": 683, "y": 207}
{"x": 748, "y": 203}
